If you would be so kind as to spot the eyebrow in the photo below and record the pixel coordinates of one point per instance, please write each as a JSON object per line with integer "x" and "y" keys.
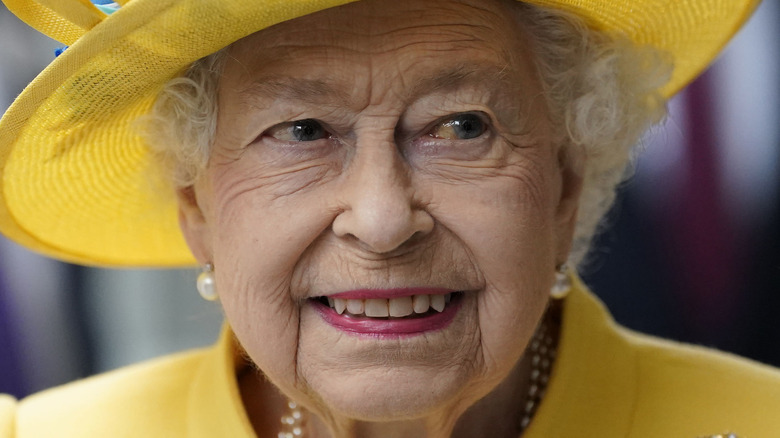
{"x": 315, "y": 91}
{"x": 456, "y": 76}
{"x": 319, "y": 91}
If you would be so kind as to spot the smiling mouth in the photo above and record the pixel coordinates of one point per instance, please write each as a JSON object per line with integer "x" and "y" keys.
{"x": 409, "y": 307}
{"x": 390, "y": 313}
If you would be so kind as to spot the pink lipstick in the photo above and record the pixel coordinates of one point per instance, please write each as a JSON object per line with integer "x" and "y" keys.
{"x": 390, "y": 313}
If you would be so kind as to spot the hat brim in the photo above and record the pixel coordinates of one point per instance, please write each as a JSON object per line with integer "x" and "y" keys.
{"x": 78, "y": 182}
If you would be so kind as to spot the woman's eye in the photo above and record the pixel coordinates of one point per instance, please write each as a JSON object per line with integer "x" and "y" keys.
{"x": 461, "y": 127}
{"x": 298, "y": 131}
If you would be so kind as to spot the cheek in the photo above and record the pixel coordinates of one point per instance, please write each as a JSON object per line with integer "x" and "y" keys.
{"x": 504, "y": 221}
{"x": 258, "y": 241}
{"x": 261, "y": 226}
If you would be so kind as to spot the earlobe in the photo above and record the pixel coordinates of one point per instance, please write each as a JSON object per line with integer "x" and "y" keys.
{"x": 193, "y": 224}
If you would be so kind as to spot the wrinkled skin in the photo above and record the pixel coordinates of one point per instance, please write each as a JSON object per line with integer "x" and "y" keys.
{"x": 383, "y": 191}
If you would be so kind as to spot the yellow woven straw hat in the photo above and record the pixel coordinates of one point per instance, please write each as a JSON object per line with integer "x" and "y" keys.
{"x": 77, "y": 180}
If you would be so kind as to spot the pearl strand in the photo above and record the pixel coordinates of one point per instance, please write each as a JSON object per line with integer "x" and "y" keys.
{"x": 292, "y": 422}
{"x": 542, "y": 350}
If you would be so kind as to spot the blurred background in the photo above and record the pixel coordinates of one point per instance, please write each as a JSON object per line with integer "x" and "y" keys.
{"x": 692, "y": 252}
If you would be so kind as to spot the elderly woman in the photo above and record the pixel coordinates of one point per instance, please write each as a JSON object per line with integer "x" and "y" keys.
{"x": 385, "y": 198}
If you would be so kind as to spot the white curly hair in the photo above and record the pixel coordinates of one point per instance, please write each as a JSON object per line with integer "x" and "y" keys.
{"x": 601, "y": 91}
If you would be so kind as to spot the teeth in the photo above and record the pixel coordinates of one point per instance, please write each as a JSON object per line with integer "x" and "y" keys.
{"x": 377, "y": 308}
{"x": 395, "y": 307}
{"x": 340, "y": 305}
{"x": 421, "y": 303}
{"x": 355, "y": 307}
{"x": 438, "y": 302}
{"x": 400, "y": 307}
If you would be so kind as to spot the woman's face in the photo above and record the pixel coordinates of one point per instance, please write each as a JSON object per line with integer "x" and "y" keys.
{"x": 396, "y": 155}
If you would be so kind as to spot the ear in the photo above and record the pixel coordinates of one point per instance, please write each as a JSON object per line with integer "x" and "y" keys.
{"x": 194, "y": 226}
{"x": 571, "y": 162}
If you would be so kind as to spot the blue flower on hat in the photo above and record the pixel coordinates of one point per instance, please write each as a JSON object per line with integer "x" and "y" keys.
{"x": 108, "y": 7}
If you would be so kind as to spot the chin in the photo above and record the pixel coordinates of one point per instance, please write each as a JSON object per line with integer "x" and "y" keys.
{"x": 398, "y": 394}
{"x": 375, "y": 378}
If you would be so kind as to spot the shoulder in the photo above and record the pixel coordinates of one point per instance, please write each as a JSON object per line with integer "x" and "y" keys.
{"x": 691, "y": 368}
{"x": 141, "y": 400}
{"x": 611, "y": 381}
{"x": 681, "y": 386}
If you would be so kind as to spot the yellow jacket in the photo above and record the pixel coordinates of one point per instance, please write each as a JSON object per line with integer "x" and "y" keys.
{"x": 608, "y": 382}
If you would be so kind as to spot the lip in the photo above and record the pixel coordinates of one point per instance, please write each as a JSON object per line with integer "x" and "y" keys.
{"x": 390, "y": 328}
{"x": 365, "y": 294}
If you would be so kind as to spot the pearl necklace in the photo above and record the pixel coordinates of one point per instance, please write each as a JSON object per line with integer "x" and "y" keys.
{"x": 292, "y": 422}
{"x": 542, "y": 350}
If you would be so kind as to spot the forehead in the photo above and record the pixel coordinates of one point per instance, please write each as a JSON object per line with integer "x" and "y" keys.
{"x": 411, "y": 44}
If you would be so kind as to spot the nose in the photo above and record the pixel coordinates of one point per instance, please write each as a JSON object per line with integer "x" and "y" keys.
{"x": 380, "y": 208}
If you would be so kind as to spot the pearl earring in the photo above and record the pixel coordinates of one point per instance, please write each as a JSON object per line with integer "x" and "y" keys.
{"x": 562, "y": 284}
{"x": 207, "y": 287}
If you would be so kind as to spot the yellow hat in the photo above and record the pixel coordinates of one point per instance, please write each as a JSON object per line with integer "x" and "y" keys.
{"x": 77, "y": 180}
